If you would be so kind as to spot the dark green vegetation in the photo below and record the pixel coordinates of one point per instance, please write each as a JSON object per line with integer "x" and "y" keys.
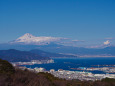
{"x": 17, "y": 77}
{"x": 13, "y": 55}
{"x": 6, "y": 67}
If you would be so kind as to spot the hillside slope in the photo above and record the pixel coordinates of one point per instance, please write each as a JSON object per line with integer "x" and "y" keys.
{"x": 19, "y": 77}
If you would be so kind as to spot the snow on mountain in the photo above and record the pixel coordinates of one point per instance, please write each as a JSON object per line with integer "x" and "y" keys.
{"x": 30, "y": 39}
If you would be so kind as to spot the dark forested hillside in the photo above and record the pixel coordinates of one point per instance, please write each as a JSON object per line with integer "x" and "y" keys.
{"x": 6, "y": 67}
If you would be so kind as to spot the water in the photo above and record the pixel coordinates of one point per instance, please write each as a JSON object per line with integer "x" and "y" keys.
{"x": 66, "y": 63}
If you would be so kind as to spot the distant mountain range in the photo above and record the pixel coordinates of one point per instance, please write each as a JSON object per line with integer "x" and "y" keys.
{"x": 13, "y": 55}
{"x": 48, "y": 54}
{"x": 108, "y": 51}
{"x": 54, "y": 48}
{"x": 17, "y": 56}
{"x": 50, "y": 48}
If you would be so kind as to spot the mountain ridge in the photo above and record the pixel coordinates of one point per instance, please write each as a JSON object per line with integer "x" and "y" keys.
{"x": 55, "y": 48}
{"x": 13, "y": 55}
{"x": 49, "y": 54}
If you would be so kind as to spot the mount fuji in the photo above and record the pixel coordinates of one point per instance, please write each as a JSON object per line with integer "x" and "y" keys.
{"x": 30, "y": 39}
{"x": 29, "y": 42}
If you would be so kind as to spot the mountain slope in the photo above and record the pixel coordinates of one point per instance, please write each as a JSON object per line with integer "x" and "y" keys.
{"x": 55, "y": 48}
{"x": 48, "y": 54}
{"x": 81, "y": 51}
{"x": 30, "y": 39}
{"x": 16, "y": 56}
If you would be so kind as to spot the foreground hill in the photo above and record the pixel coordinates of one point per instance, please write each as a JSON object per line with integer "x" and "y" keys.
{"x": 17, "y": 77}
{"x": 13, "y": 55}
{"x": 6, "y": 67}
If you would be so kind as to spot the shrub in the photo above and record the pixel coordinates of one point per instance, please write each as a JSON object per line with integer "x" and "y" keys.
{"x": 6, "y": 67}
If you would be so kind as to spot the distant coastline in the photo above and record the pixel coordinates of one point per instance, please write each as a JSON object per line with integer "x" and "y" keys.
{"x": 84, "y": 56}
{"x": 63, "y": 57}
{"x": 94, "y": 56}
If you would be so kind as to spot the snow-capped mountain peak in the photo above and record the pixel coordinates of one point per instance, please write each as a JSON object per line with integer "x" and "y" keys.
{"x": 30, "y": 39}
{"x": 26, "y": 36}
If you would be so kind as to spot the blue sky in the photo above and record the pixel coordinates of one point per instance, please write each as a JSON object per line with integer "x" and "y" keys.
{"x": 89, "y": 20}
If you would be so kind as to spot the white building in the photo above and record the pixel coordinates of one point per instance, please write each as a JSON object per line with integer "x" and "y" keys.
{"x": 39, "y": 69}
